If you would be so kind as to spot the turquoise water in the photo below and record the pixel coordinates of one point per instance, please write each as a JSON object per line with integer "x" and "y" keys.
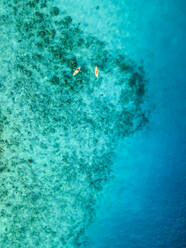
{"x": 86, "y": 161}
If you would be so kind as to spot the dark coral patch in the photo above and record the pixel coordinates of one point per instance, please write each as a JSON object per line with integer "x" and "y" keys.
{"x": 54, "y": 11}
{"x": 55, "y": 80}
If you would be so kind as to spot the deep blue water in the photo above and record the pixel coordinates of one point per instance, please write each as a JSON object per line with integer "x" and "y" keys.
{"x": 145, "y": 205}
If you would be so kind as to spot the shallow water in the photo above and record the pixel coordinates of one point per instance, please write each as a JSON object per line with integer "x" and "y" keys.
{"x": 79, "y": 164}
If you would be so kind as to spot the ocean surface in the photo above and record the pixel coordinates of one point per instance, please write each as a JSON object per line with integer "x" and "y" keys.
{"x": 86, "y": 161}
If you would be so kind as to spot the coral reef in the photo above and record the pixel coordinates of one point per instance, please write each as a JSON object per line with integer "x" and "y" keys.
{"x": 58, "y": 132}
